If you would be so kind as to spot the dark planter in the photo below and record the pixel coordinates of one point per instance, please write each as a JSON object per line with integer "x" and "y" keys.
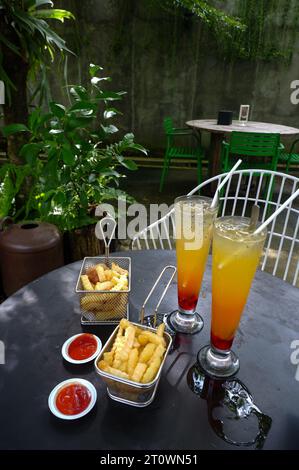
{"x": 27, "y": 251}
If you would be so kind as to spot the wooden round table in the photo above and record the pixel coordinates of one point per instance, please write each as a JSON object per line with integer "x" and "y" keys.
{"x": 218, "y": 133}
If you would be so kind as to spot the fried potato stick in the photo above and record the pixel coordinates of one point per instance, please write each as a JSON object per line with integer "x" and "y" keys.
{"x": 87, "y": 285}
{"x": 138, "y": 372}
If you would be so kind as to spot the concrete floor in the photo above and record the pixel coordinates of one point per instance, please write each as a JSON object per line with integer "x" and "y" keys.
{"x": 144, "y": 186}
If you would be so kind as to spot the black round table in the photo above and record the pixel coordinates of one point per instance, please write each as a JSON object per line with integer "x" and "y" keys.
{"x": 35, "y": 322}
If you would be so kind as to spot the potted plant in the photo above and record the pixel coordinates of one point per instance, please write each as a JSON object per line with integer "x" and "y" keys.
{"x": 72, "y": 163}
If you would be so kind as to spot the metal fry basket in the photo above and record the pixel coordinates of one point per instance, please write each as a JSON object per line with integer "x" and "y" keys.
{"x": 99, "y": 307}
{"x": 124, "y": 390}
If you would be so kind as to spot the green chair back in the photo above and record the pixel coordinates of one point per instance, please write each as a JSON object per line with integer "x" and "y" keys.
{"x": 168, "y": 125}
{"x": 255, "y": 144}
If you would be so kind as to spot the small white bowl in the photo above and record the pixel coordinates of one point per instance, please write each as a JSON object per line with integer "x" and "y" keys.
{"x": 53, "y": 395}
{"x": 65, "y": 348}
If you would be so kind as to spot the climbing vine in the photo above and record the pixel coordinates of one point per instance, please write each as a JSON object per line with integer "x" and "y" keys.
{"x": 258, "y": 29}
{"x": 270, "y": 30}
{"x": 218, "y": 21}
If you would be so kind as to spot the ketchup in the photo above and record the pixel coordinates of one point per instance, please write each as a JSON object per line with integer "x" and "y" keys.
{"x": 73, "y": 399}
{"x": 82, "y": 347}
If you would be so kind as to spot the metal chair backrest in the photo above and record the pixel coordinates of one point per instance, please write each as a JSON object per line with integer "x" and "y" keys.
{"x": 246, "y": 187}
{"x": 255, "y": 144}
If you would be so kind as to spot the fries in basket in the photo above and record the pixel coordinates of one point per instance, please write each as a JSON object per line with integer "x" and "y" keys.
{"x": 109, "y": 285}
{"x": 100, "y": 277}
{"x": 136, "y": 354}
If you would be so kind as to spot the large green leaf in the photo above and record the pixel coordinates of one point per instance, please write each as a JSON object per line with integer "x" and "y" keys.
{"x": 93, "y": 69}
{"x": 57, "y": 109}
{"x": 68, "y": 155}
{"x": 55, "y": 14}
{"x": 14, "y": 129}
{"x": 110, "y": 95}
{"x": 96, "y": 80}
{"x": 39, "y": 3}
{"x": 138, "y": 147}
{"x": 111, "y": 129}
{"x": 129, "y": 164}
{"x": 83, "y": 105}
{"x": 10, "y": 45}
{"x": 78, "y": 92}
{"x": 111, "y": 112}
{"x": 30, "y": 152}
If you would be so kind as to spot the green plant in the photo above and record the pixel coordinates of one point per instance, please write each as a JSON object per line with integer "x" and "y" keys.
{"x": 27, "y": 42}
{"x": 220, "y": 23}
{"x": 248, "y": 32}
{"x": 69, "y": 157}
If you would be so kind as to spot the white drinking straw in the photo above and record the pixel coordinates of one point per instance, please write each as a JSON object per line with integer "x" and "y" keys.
{"x": 220, "y": 186}
{"x": 276, "y": 213}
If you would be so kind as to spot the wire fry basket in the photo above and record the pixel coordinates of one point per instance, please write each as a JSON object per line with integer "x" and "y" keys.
{"x": 100, "y": 307}
{"x": 125, "y": 390}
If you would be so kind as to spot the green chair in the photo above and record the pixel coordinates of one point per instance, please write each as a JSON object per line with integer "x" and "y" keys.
{"x": 290, "y": 158}
{"x": 257, "y": 150}
{"x": 175, "y": 151}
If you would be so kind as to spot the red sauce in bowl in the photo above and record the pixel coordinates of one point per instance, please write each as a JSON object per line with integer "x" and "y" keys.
{"x": 82, "y": 347}
{"x": 73, "y": 399}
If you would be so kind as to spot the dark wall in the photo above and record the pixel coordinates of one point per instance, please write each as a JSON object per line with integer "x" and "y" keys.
{"x": 170, "y": 65}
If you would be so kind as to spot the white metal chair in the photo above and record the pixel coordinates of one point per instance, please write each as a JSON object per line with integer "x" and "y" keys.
{"x": 244, "y": 188}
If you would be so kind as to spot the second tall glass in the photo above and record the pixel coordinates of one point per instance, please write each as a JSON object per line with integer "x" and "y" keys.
{"x": 194, "y": 220}
{"x": 236, "y": 255}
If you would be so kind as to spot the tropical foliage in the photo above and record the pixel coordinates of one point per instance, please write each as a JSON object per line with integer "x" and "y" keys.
{"x": 27, "y": 35}
{"x": 71, "y": 158}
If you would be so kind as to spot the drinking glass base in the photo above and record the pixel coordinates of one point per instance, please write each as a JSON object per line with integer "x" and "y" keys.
{"x": 217, "y": 363}
{"x": 185, "y": 323}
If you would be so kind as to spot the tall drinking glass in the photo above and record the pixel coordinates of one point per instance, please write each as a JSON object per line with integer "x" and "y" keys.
{"x": 236, "y": 255}
{"x": 194, "y": 220}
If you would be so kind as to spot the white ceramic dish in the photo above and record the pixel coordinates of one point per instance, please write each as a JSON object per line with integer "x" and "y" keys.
{"x": 65, "y": 347}
{"x": 53, "y": 395}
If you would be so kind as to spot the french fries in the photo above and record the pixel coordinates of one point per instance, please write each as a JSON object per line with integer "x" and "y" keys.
{"x": 109, "y": 282}
{"x": 136, "y": 353}
{"x": 100, "y": 277}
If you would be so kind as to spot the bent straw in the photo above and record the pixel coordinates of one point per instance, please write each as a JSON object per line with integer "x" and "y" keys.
{"x": 276, "y": 213}
{"x": 220, "y": 186}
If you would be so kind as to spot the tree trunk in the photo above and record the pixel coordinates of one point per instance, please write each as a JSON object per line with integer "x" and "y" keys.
{"x": 82, "y": 242}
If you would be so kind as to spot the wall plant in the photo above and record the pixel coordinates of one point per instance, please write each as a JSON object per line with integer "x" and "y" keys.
{"x": 71, "y": 156}
{"x": 27, "y": 44}
{"x": 254, "y": 29}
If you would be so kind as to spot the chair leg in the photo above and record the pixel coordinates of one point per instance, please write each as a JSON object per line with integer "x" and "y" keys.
{"x": 164, "y": 171}
{"x": 199, "y": 169}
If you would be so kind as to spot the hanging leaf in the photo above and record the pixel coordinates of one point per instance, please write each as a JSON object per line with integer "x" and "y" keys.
{"x": 55, "y": 14}
{"x": 68, "y": 156}
{"x": 109, "y": 129}
{"x": 93, "y": 69}
{"x": 14, "y": 129}
{"x": 129, "y": 164}
{"x": 111, "y": 112}
{"x": 57, "y": 109}
{"x": 30, "y": 152}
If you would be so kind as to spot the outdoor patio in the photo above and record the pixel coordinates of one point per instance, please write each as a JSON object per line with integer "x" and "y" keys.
{"x": 149, "y": 230}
